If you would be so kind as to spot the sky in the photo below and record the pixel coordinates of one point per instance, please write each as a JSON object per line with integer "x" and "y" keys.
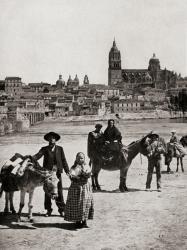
{"x": 41, "y": 39}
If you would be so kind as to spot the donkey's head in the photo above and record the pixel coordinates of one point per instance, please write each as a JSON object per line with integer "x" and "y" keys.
{"x": 144, "y": 145}
{"x": 51, "y": 184}
{"x": 183, "y": 141}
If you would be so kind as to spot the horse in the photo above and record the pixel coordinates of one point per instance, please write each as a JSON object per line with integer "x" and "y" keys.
{"x": 171, "y": 154}
{"x": 121, "y": 161}
{"x": 27, "y": 179}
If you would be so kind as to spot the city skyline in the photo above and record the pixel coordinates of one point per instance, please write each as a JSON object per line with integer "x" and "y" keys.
{"x": 42, "y": 39}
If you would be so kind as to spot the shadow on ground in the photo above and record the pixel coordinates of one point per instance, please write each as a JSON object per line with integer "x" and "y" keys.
{"x": 118, "y": 191}
{"x": 11, "y": 222}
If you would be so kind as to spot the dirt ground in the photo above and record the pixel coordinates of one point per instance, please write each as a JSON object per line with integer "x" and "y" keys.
{"x": 133, "y": 220}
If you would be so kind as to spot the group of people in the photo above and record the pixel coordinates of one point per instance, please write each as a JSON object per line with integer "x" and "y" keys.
{"x": 111, "y": 137}
{"x": 79, "y": 206}
{"x": 155, "y": 145}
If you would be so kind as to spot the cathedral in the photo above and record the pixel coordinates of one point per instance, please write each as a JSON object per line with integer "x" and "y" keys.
{"x": 153, "y": 76}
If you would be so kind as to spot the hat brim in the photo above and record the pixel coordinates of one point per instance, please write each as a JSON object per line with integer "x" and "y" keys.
{"x": 51, "y": 134}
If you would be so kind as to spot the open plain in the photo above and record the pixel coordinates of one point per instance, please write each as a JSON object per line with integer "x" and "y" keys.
{"x": 133, "y": 220}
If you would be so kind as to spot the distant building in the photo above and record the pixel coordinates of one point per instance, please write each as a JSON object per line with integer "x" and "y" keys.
{"x": 40, "y": 87}
{"x": 73, "y": 83}
{"x": 13, "y": 86}
{"x": 181, "y": 83}
{"x": 60, "y": 83}
{"x": 153, "y": 76}
{"x": 86, "y": 80}
{"x": 2, "y": 85}
{"x": 123, "y": 106}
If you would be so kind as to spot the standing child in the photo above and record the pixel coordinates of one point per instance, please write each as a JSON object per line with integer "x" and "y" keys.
{"x": 79, "y": 206}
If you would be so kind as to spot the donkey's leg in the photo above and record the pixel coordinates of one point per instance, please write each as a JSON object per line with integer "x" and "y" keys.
{"x": 123, "y": 177}
{"x": 6, "y": 209}
{"x": 30, "y": 206}
{"x": 97, "y": 182}
{"x": 11, "y": 203}
{"x": 177, "y": 164}
{"x": 168, "y": 167}
{"x": 22, "y": 203}
{"x": 93, "y": 182}
{"x": 181, "y": 161}
{"x": 92, "y": 175}
{"x": 95, "y": 172}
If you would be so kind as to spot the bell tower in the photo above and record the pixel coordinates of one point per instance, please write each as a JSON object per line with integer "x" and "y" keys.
{"x": 114, "y": 69}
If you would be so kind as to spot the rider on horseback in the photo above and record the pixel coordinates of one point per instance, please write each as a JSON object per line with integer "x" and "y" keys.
{"x": 175, "y": 142}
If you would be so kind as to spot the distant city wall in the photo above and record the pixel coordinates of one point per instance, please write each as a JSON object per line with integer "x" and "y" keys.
{"x": 19, "y": 121}
{"x": 156, "y": 114}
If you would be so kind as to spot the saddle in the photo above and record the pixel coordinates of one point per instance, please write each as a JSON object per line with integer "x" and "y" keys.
{"x": 111, "y": 156}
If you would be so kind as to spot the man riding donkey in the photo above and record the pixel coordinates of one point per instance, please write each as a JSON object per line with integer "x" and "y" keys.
{"x": 105, "y": 145}
{"x": 175, "y": 148}
{"x": 156, "y": 147}
{"x": 175, "y": 142}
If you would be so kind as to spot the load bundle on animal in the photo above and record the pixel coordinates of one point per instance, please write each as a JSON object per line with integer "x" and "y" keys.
{"x": 25, "y": 174}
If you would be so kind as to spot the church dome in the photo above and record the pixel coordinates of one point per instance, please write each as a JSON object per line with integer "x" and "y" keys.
{"x": 76, "y": 78}
{"x": 154, "y": 59}
{"x": 154, "y": 63}
{"x": 60, "y": 81}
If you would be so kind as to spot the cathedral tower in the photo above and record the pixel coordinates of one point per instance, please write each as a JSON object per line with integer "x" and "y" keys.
{"x": 114, "y": 69}
{"x": 154, "y": 67}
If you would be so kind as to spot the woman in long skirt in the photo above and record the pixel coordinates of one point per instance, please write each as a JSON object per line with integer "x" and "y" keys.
{"x": 79, "y": 205}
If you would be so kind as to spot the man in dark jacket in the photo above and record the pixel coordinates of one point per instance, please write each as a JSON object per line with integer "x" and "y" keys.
{"x": 95, "y": 140}
{"x": 54, "y": 158}
{"x": 155, "y": 149}
{"x": 112, "y": 136}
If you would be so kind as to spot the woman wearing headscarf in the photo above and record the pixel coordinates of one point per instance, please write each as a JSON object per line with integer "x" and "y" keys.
{"x": 112, "y": 136}
{"x": 79, "y": 206}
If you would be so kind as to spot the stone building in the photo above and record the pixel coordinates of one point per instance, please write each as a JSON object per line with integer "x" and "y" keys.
{"x": 39, "y": 87}
{"x": 60, "y": 83}
{"x": 123, "y": 106}
{"x": 153, "y": 76}
{"x": 13, "y": 86}
{"x": 73, "y": 83}
{"x": 86, "y": 80}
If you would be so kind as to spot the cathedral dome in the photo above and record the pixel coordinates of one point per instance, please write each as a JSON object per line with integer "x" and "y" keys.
{"x": 154, "y": 63}
{"x": 60, "y": 81}
{"x": 154, "y": 59}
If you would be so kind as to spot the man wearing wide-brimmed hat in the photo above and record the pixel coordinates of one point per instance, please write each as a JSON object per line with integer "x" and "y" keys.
{"x": 54, "y": 158}
{"x": 155, "y": 149}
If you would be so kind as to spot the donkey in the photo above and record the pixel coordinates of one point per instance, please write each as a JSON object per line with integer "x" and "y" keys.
{"x": 121, "y": 162}
{"x": 171, "y": 154}
{"x": 31, "y": 177}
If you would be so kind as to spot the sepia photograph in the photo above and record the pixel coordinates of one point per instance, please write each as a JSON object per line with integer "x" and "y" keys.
{"x": 93, "y": 125}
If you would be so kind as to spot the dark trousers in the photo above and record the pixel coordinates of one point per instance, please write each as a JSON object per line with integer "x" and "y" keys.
{"x": 154, "y": 163}
{"x": 59, "y": 200}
